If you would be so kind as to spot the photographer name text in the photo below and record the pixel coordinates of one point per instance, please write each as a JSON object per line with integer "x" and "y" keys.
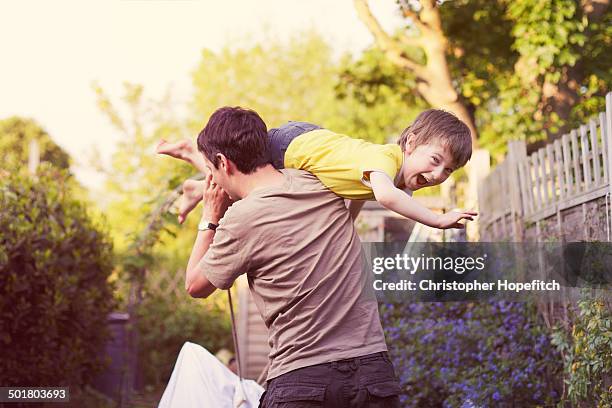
{"x": 473, "y": 286}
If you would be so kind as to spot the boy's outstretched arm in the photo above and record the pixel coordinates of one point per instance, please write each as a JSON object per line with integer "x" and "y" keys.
{"x": 398, "y": 201}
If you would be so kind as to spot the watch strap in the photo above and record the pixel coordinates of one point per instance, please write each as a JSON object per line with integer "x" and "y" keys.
{"x": 207, "y": 225}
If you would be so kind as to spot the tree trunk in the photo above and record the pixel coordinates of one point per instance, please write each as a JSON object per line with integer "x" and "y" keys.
{"x": 434, "y": 81}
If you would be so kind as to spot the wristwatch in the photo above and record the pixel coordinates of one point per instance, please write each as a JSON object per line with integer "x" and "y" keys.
{"x": 207, "y": 225}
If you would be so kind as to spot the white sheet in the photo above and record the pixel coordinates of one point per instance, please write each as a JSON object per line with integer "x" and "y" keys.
{"x": 199, "y": 380}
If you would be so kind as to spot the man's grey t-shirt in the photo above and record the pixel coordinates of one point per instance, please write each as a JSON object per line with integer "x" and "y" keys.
{"x": 305, "y": 267}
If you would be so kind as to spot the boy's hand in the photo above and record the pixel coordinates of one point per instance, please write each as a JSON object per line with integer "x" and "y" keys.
{"x": 451, "y": 219}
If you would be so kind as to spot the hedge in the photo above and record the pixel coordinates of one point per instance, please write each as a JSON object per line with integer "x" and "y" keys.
{"x": 54, "y": 294}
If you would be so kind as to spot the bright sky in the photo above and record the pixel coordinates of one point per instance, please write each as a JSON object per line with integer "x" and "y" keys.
{"x": 52, "y": 51}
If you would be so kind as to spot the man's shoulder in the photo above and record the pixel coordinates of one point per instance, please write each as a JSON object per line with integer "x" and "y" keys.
{"x": 300, "y": 176}
{"x": 241, "y": 210}
{"x": 305, "y": 183}
{"x": 298, "y": 190}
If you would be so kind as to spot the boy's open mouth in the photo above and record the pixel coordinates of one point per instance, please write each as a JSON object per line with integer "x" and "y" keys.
{"x": 421, "y": 181}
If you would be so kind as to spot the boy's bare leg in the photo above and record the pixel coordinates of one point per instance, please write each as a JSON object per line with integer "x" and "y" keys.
{"x": 184, "y": 150}
{"x": 192, "y": 195}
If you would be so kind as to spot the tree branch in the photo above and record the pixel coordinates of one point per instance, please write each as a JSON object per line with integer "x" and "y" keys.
{"x": 411, "y": 41}
{"x": 430, "y": 16}
{"x": 386, "y": 43}
{"x": 412, "y": 15}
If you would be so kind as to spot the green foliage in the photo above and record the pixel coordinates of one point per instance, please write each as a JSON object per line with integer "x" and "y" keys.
{"x": 587, "y": 354}
{"x": 514, "y": 63}
{"x": 54, "y": 293}
{"x": 537, "y": 53}
{"x": 137, "y": 178}
{"x": 546, "y": 35}
{"x": 293, "y": 80}
{"x": 15, "y": 136}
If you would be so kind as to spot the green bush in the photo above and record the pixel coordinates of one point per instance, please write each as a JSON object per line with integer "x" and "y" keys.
{"x": 54, "y": 293}
{"x": 587, "y": 353}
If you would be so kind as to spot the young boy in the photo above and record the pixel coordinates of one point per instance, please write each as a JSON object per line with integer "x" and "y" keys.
{"x": 427, "y": 152}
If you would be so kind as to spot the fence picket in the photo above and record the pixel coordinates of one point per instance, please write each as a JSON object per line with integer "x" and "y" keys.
{"x": 559, "y": 167}
{"x": 506, "y": 204}
{"x": 566, "y": 164}
{"x": 536, "y": 181}
{"x": 524, "y": 187}
{"x": 595, "y": 151}
{"x": 604, "y": 145}
{"x": 576, "y": 161}
{"x": 543, "y": 177}
{"x": 529, "y": 185}
{"x": 586, "y": 163}
{"x": 609, "y": 136}
{"x": 550, "y": 164}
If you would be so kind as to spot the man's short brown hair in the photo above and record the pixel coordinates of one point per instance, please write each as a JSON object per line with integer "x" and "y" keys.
{"x": 443, "y": 127}
{"x": 239, "y": 134}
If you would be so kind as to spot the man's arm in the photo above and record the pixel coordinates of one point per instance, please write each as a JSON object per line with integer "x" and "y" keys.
{"x": 196, "y": 284}
{"x": 398, "y": 201}
{"x": 215, "y": 203}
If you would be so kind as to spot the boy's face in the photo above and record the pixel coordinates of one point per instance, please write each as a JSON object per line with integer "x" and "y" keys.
{"x": 426, "y": 165}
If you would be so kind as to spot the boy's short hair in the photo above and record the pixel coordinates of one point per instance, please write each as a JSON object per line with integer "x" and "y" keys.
{"x": 239, "y": 134}
{"x": 444, "y": 127}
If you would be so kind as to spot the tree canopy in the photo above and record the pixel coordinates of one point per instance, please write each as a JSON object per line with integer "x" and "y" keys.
{"x": 16, "y": 134}
{"x": 294, "y": 79}
{"x": 531, "y": 69}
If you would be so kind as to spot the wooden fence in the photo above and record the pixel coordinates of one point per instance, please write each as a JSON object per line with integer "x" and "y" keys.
{"x": 560, "y": 192}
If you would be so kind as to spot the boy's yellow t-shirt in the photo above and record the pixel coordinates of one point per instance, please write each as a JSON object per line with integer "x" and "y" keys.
{"x": 341, "y": 163}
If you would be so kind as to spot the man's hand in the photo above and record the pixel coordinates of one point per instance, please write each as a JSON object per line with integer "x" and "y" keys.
{"x": 451, "y": 219}
{"x": 215, "y": 201}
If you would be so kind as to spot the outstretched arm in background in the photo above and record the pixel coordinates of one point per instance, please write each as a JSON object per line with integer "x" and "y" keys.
{"x": 398, "y": 201}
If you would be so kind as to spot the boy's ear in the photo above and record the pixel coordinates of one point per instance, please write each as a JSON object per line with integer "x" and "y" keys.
{"x": 410, "y": 142}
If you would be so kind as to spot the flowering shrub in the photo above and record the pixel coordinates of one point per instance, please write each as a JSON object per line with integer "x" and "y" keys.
{"x": 490, "y": 354}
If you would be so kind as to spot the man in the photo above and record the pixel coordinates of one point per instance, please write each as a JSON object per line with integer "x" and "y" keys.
{"x": 296, "y": 242}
